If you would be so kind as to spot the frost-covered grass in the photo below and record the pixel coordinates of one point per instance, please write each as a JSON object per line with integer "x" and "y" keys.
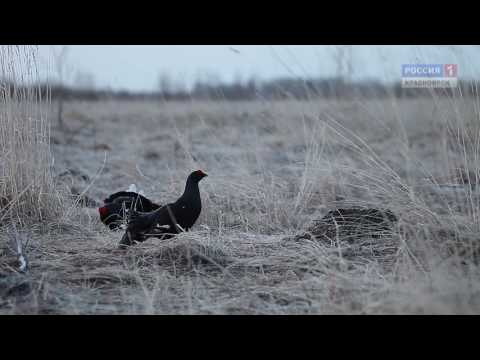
{"x": 273, "y": 168}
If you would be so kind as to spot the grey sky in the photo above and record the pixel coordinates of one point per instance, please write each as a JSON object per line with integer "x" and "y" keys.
{"x": 137, "y": 67}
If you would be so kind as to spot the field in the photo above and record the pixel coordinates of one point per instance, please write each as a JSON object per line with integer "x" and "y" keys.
{"x": 273, "y": 168}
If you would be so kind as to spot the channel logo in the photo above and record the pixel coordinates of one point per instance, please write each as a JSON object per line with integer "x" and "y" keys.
{"x": 429, "y": 75}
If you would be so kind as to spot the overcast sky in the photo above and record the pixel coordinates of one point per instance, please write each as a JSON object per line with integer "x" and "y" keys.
{"x": 137, "y": 67}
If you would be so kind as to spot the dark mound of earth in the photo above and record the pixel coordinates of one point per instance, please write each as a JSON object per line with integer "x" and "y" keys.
{"x": 351, "y": 224}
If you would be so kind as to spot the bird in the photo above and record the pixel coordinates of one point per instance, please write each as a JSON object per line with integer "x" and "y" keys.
{"x": 351, "y": 223}
{"x": 117, "y": 207}
{"x": 168, "y": 220}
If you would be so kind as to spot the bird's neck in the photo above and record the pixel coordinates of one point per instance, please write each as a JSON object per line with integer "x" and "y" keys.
{"x": 191, "y": 190}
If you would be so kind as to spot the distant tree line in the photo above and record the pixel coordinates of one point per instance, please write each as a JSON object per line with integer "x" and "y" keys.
{"x": 286, "y": 88}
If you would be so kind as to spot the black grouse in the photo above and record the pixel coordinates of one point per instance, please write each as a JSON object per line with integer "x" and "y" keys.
{"x": 118, "y": 206}
{"x": 168, "y": 220}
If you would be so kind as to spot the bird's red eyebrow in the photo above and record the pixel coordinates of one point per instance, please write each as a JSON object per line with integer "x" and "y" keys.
{"x": 102, "y": 210}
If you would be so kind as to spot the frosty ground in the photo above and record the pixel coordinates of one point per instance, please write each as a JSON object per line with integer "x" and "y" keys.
{"x": 273, "y": 167}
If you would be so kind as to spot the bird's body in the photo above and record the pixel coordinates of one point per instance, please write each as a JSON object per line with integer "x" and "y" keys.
{"x": 118, "y": 206}
{"x": 167, "y": 220}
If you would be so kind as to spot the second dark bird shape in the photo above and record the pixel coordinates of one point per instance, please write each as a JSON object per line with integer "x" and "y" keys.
{"x": 167, "y": 220}
{"x": 117, "y": 208}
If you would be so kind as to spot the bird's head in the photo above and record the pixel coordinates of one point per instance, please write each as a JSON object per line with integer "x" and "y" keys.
{"x": 103, "y": 211}
{"x": 197, "y": 175}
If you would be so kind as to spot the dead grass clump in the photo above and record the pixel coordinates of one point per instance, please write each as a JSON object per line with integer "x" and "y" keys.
{"x": 14, "y": 290}
{"x": 26, "y": 181}
{"x": 351, "y": 224}
{"x": 182, "y": 253}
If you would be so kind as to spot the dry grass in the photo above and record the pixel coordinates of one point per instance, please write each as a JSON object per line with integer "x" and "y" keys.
{"x": 274, "y": 168}
{"x": 29, "y": 198}
{"x": 27, "y": 191}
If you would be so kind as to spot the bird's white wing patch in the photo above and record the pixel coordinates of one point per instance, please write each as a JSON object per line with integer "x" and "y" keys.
{"x": 133, "y": 188}
{"x": 163, "y": 226}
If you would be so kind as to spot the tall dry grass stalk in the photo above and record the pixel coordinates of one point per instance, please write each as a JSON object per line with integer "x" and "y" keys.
{"x": 27, "y": 190}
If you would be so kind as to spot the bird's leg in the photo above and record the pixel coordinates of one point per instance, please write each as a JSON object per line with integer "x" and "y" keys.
{"x": 126, "y": 241}
{"x": 179, "y": 227}
{"x": 174, "y": 221}
{"x": 162, "y": 233}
